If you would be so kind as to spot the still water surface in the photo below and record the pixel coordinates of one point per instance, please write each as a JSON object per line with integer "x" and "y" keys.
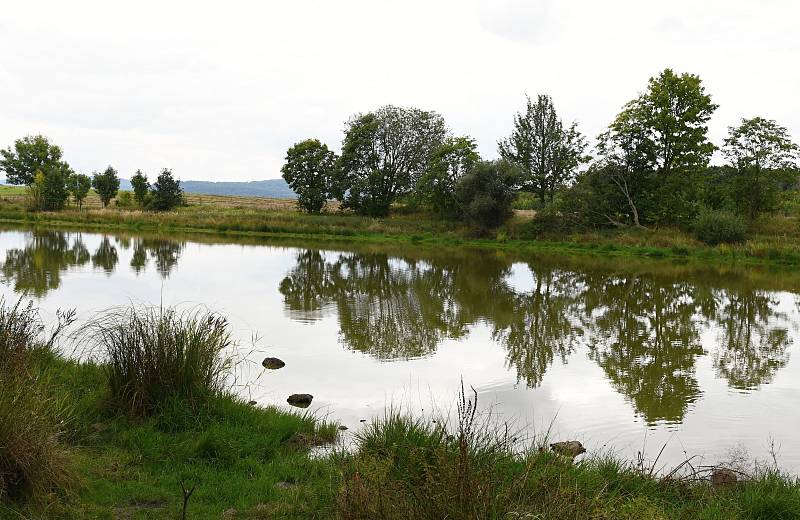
{"x": 625, "y": 355}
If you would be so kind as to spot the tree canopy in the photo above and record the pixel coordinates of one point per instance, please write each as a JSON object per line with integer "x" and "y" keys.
{"x": 167, "y": 193}
{"x": 384, "y": 154}
{"x": 547, "y": 154}
{"x": 762, "y": 155}
{"x": 309, "y": 170}
{"x": 29, "y": 155}
{"x": 106, "y": 184}
{"x": 140, "y": 187}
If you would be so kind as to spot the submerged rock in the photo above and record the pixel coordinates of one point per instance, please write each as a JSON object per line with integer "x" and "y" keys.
{"x": 272, "y": 363}
{"x": 723, "y": 477}
{"x": 569, "y": 449}
{"x": 300, "y": 400}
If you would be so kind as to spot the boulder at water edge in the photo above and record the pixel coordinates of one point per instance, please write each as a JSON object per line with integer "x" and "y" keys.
{"x": 300, "y": 400}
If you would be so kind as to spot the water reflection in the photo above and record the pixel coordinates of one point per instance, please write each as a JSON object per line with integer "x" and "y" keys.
{"x": 644, "y": 330}
{"x": 36, "y": 268}
{"x": 753, "y": 339}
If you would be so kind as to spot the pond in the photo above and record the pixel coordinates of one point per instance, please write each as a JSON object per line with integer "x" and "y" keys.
{"x": 625, "y": 355}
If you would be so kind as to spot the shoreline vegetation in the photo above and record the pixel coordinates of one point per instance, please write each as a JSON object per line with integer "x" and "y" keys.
{"x": 121, "y": 439}
{"x": 775, "y": 239}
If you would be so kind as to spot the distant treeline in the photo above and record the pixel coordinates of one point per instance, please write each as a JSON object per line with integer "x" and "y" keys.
{"x": 35, "y": 162}
{"x": 650, "y": 166}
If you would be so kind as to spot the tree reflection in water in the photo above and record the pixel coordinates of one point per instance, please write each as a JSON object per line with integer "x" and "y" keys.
{"x": 643, "y": 330}
{"x": 36, "y": 268}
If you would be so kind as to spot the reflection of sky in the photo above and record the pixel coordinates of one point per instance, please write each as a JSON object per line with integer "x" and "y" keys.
{"x": 575, "y": 399}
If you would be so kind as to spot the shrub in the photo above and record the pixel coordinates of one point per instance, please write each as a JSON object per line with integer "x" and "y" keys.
{"x": 155, "y": 356}
{"x": 125, "y": 200}
{"x": 720, "y": 227}
{"x": 485, "y": 194}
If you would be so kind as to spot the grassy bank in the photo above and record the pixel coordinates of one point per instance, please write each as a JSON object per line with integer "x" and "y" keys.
{"x": 252, "y": 462}
{"x": 99, "y": 457}
{"x": 775, "y": 239}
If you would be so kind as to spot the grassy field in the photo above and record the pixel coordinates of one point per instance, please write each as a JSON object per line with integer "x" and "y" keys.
{"x": 774, "y": 239}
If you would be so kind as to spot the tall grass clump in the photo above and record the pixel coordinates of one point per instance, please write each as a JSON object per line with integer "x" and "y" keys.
{"x": 406, "y": 467}
{"x": 154, "y": 356}
{"x": 33, "y": 459}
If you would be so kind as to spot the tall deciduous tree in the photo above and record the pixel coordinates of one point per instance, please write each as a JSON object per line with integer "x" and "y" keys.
{"x": 29, "y": 155}
{"x": 140, "y": 187}
{"x": 762, "y": 155}
{"x": 448, "y": 164}
{"x": 384, "y": 154}
{"x": 106, "y": 185}
{"x": 167, "y": 192}
{"x": 547, "y": 153}
{"x": 78, "y": 186}
{"x": 659, "y": 143}
{"x": 309, "y": 171}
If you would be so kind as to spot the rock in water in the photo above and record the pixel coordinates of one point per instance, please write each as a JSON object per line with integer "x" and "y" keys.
{"x": 300, "y": 400}
{"x": 723, "y": 477}
{"x": 273, "y": 363}
{"x": 569, "y": 449}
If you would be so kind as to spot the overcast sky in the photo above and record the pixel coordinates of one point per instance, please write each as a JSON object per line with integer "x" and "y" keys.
{"x": 219, "y": 90}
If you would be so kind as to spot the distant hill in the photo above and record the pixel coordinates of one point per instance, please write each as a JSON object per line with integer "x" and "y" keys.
{"x": 273, "y": 188}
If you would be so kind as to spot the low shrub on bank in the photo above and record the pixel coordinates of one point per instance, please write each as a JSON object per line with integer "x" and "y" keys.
{"x": 33, "y": 460}
{"x": 720, "y": 227}
{"x": 155, "y": 356}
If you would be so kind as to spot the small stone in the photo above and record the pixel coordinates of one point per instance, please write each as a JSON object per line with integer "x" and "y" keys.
{"x": 228, "y": 514}
{"x": 362, "y": 420}
{"x": 252, "y": 403}
{"x": 272, "y": 363}
{"x": 342, "y": 427}
{"x": 284, "y": 485}
{"x": 569, "y": 449}
{"x": 300, "y": 400}
{"x": 723, "y": 477}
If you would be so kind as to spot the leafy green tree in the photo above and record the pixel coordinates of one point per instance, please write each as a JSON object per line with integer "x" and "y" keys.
{"x": 106, "y": 185}
{"x": 78, "y": 186}
{"x": 547, "y": 153}
{"x": 486, "y": 193}
{"x": 140, "y": 187}
{"x": 384, "y": 154}
{"x": 167, "y": 193}
{"x": 29, "y": 155}
{"x": 657, "y": 148}
{"x": 449, "y": 162}
{"x": 54, "y": 192}
{"x": 309, "y": 171}
{"x": 763, "y": 156}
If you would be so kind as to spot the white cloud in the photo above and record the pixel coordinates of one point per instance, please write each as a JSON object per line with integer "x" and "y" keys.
{"x": 219, "y": 90}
